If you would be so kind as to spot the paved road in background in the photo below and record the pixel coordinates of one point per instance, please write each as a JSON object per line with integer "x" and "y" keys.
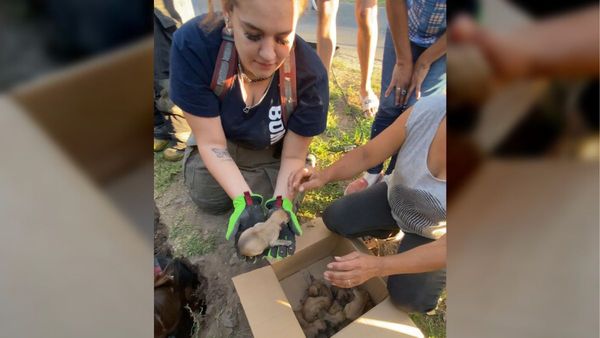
{"x": 346, "y": 27}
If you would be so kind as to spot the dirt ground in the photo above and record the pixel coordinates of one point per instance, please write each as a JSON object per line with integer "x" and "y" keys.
{"x": 201, "y": 237}
{"x": 224, "y": 316}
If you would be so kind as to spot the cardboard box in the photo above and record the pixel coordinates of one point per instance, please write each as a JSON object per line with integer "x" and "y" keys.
{"x": 269, "y": 294}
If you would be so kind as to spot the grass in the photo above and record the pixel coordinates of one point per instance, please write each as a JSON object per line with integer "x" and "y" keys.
{"x": 346, "y": 128}
{"x": 433, "y": 325}
{"x": 188, "y": 241}
{"x": 165, "y": 173}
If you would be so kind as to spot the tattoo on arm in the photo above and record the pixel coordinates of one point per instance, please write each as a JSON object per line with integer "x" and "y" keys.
{"x": 222, "y": 154}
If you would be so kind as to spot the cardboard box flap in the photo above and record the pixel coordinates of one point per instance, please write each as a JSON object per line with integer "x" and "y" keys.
{"x": 270, "y": 294}
{"x": 312, "y": 232}
{"x": 81, "y": 106}
{"x": 54, "y": 219}
{"x": 315, "y": 237}
{"x": 266, "y": 306}
{"x": 384, "y": 320}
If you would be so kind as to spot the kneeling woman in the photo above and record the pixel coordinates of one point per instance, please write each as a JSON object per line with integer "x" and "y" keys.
{"x": 413, "y": 201}
{"x": 243, "y": 146}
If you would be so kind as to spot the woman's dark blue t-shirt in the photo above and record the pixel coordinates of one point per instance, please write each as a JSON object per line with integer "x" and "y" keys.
{"x": 193, "y": 56}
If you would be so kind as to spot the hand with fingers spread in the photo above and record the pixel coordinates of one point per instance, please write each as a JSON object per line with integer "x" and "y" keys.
{"x": 422, "y": 67}
{"x": 352, "y": 270}
{"x": 306, "y": 179}
{"x": 400, "y": 82}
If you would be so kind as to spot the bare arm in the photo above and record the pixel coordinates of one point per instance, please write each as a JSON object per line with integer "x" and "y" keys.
{"x": 403, "y": 68}
{"x": 435, "y": 51}
{"x": 356, "y": 267}
{"x": 293, "y": 157}
{"x": 358, "y": 160}
{"x": 424, "y": 258}
{"x": 423, "y": 64}
{"x": 562, "y": 46}
{"x": 397, "y": 13}
{"x": 375, "y": 151}
{"x": 566, "y": 45}
{"x": 212, "y": 146}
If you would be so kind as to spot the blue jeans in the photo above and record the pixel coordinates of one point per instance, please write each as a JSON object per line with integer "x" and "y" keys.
{"x": 388, "y": 112}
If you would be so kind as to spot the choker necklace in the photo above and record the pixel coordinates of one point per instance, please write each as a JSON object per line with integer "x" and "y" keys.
{"x": 246, "y": 78}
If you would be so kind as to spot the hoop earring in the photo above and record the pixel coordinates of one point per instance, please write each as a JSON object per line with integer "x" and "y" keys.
{"x": 228, "y": 26}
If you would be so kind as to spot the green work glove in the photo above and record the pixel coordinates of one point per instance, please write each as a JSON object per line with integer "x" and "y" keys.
{"x": 288, "y": 232}
{"x": 247, "y": 211}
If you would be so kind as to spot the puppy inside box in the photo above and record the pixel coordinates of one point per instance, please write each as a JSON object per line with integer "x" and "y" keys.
{"x": 320, "y": 308}
{"x": 269, "y": 295}
{"x": 325, "y": 309}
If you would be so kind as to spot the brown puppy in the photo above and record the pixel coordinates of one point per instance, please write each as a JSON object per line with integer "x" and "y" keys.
{"x": 313, "y": 306}
{"x": 355, "y": 308}
{"x": 255, "y": 240}
{"x": 167, "y": 305}
{"x": 176, "y": 287}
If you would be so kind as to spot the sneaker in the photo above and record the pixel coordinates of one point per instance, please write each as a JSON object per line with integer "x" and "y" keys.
{"x": 173, "y": 154}
{"x": 362, "y": 183}
{"x": 160, "y": 145}
{"x": 311, "y": 161}
{"x": 369, "y": 105}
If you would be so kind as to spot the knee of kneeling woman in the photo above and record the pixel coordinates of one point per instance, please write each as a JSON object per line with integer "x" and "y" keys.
{"x": 332, "y": 217}
{"x": 411, "y": 302}
{"x": 212, "y": 207}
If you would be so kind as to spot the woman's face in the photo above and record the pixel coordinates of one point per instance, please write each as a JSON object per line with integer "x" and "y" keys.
{"x": 264, "y": 32}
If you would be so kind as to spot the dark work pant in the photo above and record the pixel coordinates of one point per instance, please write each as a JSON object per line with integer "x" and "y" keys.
{"x": 368, "y": 213}
{"x": 169, "y": 121}
{"x": 258, "y": 167}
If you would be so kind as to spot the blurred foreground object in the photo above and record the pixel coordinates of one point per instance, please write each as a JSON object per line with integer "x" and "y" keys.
{"x": 524, "y": 251}
{"x": 521, "y": 87}
{"x": 71, "y": 263}
{"x": 564, "y": 46}
{"x": 523, "y": 166}
{"x": 40, "y": 36}
{"x": 76, "y": 262}
{"x": 97, "y": 111}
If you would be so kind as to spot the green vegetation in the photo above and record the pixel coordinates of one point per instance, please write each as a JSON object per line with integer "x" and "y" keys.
{"x": 346, "y": 128}
{"x": 165, "y": 173}
{"x": 188, "y": 241}
{"x": 433, "y": 324}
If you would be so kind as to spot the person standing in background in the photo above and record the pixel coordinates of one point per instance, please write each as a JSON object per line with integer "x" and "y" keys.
{"x": 366, "y": 18}
{"x": 414, "y": 66}
{"x": 171, "y": 130}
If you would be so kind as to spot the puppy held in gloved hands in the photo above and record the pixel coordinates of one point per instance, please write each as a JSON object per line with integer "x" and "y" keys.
{"x": 255, "y": 240}
{"x": 247, "y": 212}
{"x": 290, "y": 229}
